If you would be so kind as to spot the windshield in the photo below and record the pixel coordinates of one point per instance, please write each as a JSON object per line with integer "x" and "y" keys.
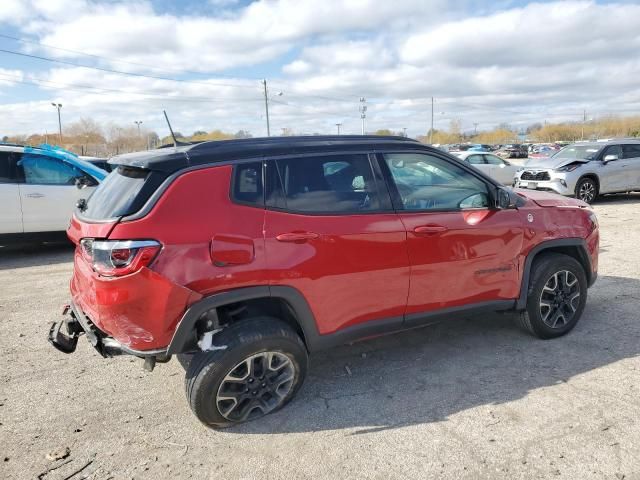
{"x": 587, "y": 152}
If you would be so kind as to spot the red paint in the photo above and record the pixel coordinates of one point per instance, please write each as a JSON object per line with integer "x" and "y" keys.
{"x": 355, "y": 270}
{"x": 351, "y": 268}
{"x": 447, "y": 250}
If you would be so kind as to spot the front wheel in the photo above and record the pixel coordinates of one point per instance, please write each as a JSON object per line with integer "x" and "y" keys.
{"x": 556, "y": 296}
{"x": 587, "y": 190}
{"x": 260, "y": 370}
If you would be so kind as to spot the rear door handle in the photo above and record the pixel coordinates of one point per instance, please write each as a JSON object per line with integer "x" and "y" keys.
{"x": 34, "y": 195}
{"x": 429, "y": 229}
{"x": 296, "y": 236}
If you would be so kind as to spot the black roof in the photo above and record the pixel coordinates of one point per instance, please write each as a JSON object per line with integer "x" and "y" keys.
{"x": 172, "y": 159}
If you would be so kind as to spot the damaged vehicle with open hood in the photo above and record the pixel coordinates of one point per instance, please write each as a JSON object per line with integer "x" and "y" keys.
{"x": 586, "y": 170}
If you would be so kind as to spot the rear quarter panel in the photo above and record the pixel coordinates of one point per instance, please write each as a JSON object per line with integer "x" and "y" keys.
{"x": 193, "y": 211}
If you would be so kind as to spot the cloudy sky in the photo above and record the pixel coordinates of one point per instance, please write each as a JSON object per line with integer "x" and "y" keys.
{"x": 485, "y": 62}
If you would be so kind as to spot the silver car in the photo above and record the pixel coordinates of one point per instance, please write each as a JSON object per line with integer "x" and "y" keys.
{"x": 585, "y": 170}
{"x": 494, "y": 166}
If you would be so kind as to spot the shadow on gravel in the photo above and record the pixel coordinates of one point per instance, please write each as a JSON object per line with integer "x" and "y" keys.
{"x": 35, "y": 254}
{"x": 427, "y": 375}
{"x": 618, "y": 199}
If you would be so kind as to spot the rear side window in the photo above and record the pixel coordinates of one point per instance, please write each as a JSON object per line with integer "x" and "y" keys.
{"x": 332, "y": 184}
{"x": 494, "y": 160}
{"x": 475, "y": 159}
{"x": 117, "y": 194}
{"x": 631, "y": 151}
{"x": 10, "y": 172}
{"x": 247, "y": 184}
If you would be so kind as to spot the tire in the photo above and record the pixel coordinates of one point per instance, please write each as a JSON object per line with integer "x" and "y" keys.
{"x": 543, "y": 321}
{"x": 587, "y": 190}
{"x": 234, "y": 385}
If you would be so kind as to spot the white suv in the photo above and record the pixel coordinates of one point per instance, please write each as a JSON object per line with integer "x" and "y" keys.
{"x": 39, "y": 187}
{"x": 585, "y": 170}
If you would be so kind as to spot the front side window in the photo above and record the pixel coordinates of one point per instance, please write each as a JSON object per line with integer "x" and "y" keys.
{"x": 425, "y": 182}
{"x": 613, "y": 150}
{"x": 10, "y": 172}
{"x": 328, "y": 184}
{"x": 43, "y": 170}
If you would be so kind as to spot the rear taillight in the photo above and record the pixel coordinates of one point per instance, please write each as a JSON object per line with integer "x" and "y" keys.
{"x": 114, "y": 258}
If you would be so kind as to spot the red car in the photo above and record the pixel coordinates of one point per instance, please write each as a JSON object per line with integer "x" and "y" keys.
{"x": 244, "y": 256}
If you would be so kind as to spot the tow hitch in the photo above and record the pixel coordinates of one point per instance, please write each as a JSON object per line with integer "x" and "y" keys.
{"x": 64, "y": 334}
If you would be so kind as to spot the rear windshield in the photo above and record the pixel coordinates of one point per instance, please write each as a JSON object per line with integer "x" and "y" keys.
{"x": 117, "y": 194}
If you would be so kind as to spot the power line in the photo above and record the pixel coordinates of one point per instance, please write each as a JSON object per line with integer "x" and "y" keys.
{"x": 114, "y": 60}
{"x": 105, "y": 91}
{"x": 155, "y": 77}
{"x": 121, "y": 72}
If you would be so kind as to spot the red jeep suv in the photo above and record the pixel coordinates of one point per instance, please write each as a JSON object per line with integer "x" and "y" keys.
{"x": 243, "y": 256}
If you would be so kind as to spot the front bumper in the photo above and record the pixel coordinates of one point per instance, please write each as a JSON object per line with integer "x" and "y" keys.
{"x": 64, "y": 334}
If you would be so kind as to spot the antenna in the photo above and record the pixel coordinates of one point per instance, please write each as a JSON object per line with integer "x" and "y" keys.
{"x": 175, "y": 141}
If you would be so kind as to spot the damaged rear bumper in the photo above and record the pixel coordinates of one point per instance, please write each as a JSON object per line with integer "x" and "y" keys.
{"x": 64, "y": 334}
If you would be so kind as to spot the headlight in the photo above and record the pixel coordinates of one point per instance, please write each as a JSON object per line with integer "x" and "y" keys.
{"x": 567, "y": 168}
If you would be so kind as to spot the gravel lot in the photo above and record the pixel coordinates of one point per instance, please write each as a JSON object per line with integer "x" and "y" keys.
{"x": 473, "y": 398}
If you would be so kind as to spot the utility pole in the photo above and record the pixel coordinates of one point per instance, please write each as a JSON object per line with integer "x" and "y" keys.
{"x": 338, "y": 125}
{"x": 584, "y": 120}
{"x": 363, "y": 112}
{"x": 138, "y": 123}
{"x": 475, "y": 129}
{"x": 431, "y": 131}
{"x": 266, "y": 106}
{"x": 58, "y": 106}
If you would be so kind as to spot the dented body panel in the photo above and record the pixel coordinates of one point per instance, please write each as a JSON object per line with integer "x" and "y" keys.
{"x": 350, "y": 270}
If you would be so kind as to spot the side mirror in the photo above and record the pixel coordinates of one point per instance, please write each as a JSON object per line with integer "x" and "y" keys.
{"x": 504, "y": 199}
{"x": 610, "y": 158}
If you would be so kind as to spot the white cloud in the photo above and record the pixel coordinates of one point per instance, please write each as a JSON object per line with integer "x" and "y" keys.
{"x": 10, "y": 77}
{"x": 541, "y": 61}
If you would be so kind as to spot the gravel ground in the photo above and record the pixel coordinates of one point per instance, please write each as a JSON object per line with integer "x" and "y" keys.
{"x": 473, "y": 398}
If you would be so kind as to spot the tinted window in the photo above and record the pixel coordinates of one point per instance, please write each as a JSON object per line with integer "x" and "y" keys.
{"x": 43, "y": 170}
{"x": 430, "y": 183}
{"x": 116, "y": 194}
{"x": 10, "y": 172}
{"x": 328, "y": 184}
{"x": 475, "y": 159}
{"x": 612, "y": 150}
{"x": 631, "y": 151}
{"x": 247, "y": 183}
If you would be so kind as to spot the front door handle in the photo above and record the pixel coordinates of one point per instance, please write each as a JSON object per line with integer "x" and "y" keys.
{"x": 296, "y": 237}
{"x": 34, "y": 195}
{"x": 429, "y": 229}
